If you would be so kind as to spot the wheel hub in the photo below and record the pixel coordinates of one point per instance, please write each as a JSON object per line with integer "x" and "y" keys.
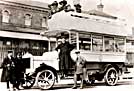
{"x": 112, "y": 75}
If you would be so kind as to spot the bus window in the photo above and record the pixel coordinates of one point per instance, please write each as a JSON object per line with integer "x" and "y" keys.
{"x": 119, "y": 45}
{"x": 85, "y": 41}
{"x": 109, "y": 44}
{"x": 52, "y": 46}
{"x": 73, "y": 37}
{"x": 97, "y": 43}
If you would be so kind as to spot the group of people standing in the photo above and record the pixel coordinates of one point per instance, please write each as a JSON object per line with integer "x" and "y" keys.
{"x": 13, "y": 70}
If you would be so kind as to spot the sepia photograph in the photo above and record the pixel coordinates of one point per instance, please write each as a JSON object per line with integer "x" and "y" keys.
{"x": 66, "y": 45}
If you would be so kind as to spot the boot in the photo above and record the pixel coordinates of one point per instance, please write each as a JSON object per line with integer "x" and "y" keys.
{"x": 81, "y": 85}
{"x": 74, "y": 87}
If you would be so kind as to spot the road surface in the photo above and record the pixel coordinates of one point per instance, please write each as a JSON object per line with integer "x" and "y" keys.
{"x": 66, "y": 85}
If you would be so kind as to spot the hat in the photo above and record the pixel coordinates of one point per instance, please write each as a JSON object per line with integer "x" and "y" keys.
{"x": 77, "y": 52}
{"x": 64, "y": 35}
{"x": 10, "y": 51}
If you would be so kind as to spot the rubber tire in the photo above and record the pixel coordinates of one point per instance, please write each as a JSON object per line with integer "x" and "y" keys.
{"x": 107, "y": 74}
{"x": 52, "y": 75}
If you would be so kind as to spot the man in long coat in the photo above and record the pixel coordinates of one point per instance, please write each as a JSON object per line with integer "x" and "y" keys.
{"x": 19, "y": 70}
{"x": 8, "y": 73}
{"x": 64, "y": 56}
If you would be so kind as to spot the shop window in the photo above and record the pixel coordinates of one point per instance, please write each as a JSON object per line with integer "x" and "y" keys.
{"x": 97, "y": 43}
{"x": 44, "y": 22}
{"x": 85, "y": 41}
{"x": 53, "y": 44}
{"x": 27, "y": 19}
{"x": 35, "y": 45}
{"x": 119, "y": 45}
{"x": 1, "y": 43}
{"x": 109, "y": 44}
{"x": 24, "y": 44}
{"x": 5, "y": 16}
{"x": 7, "y": 43}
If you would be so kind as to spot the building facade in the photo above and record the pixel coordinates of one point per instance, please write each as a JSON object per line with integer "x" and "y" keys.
{"x": 21, "y": 23}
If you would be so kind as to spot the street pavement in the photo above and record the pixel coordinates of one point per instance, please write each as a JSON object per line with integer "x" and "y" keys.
{"x": 126, "y": 84}
{"x": 66, "y": 85}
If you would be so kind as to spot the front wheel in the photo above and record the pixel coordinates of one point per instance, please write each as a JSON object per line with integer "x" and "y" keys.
{"x": 45, "y": 79}
{"x": 111, "y": 76}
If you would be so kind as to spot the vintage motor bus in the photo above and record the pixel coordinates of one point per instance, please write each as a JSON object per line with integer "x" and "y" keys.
{"x": 101, "y": 42}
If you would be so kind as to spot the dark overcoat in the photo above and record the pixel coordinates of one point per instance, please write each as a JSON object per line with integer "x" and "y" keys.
{"x": 19, "y": 68}
{"x": 64, "y": 55}
{"x": 8, "y": 71}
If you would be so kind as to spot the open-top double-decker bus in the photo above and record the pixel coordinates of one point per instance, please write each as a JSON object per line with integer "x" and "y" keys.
{"x": 101, "y": 41}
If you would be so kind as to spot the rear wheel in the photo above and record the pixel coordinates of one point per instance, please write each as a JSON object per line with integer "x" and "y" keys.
{"x": 45, "y": 79}
{"x": 111, "y": 76}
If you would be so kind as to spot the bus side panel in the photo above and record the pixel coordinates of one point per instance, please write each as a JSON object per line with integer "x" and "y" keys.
{"x": 101, "y": 56}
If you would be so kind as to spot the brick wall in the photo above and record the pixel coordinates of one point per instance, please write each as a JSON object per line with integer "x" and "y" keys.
{"x": 17, "y": 17}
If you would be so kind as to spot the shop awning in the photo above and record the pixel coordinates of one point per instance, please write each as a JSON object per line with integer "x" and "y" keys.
{"x": 20, "y": 35}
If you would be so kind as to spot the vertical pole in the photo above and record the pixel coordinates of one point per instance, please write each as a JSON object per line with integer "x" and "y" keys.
{"x": 114, "y": 45}
{"x": 69, "y": 39}
{"x": 56, "y": 44}
{"x": 49, "y": 44}
{"x": 125, "y": 49}
{"x": 91, "y": 43}
{"x": 103, "y": 43}
{"x": 125, "y": 46}
{"x": 77, "y": 40}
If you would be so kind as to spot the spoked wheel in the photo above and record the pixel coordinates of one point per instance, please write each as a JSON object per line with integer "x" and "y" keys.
{"x": 45, "y": 79}
{"x": 28, "y": 82}
{"x": 111, "y": 76}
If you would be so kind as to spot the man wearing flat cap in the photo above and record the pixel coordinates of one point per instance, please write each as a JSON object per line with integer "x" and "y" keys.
{"x": 65, "y": 60}
{"x": 79, "y": 70}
